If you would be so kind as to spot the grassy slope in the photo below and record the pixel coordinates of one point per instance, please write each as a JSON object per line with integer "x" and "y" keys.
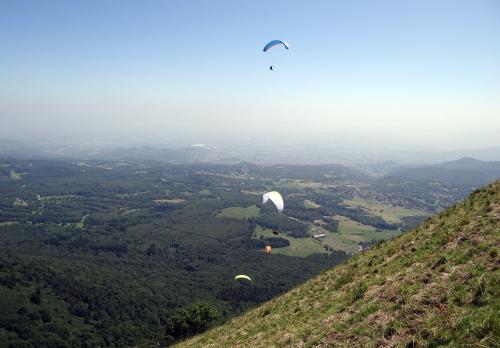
{"x": 438, "y": 284}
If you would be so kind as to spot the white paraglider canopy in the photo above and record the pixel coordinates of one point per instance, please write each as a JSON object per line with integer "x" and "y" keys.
{"x": 276, "y": 198}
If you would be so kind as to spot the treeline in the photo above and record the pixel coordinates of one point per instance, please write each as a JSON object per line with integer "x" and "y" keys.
{"x": 275, "y": 242}
{"x": 279, "y": 223}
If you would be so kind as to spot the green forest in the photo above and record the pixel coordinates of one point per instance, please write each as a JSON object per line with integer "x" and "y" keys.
{"x": 112, "y": 254}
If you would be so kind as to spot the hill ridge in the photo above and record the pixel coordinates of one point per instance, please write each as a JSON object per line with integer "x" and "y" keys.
{"x": 435, "y": 285}
{"x": 463, "y": 171}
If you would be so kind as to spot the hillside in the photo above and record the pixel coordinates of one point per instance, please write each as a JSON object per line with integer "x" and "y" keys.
{"x": 464, "y": 171}
{"x": 433, "y": 286}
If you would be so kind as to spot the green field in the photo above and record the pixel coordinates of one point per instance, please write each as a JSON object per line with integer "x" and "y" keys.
{"x": 130, "y": 211}
{"x": 340, "y": 242}
{"x": 301, "y": 247}
{"x": 358, "y": 232}
{"x": 8, "y": 223}
{"x": 15, "y": 175}
{"x": 301, "y": 184}
{"x": 350, "y": 234}
{"x": 81, "y": 223}
{"x": 310, "y": 204}
{"x": 169, "y": 201}
{"x": 388, "y": 213}
{"x": 240, "y": 212}
{"x": 132, "y": 194}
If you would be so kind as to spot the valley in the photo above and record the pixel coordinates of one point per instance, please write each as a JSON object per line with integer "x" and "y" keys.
{"x": 111, "y": 252}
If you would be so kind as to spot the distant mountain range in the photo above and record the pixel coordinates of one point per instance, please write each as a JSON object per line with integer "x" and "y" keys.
{"x": 486, "y": 154}
{"x": 464, "y": 171}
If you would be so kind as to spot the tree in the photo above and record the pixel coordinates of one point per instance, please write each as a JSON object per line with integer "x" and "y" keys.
{"x": 152, "y": 250}
{"x": 36, "y": 297}
{"x": 45, "y": 315}
{"x": 191, "y": 320}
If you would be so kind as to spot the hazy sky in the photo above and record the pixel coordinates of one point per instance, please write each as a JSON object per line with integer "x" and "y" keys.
{"x": 424, "y": 72}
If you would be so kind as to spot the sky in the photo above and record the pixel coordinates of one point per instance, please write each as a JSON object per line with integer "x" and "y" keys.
{"x": 414, "y": 73}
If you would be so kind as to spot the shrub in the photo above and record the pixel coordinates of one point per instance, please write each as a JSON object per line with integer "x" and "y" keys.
{"x": 191, "y": 320}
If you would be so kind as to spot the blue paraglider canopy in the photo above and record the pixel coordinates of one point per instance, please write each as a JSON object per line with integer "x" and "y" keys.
{"x": 273, "y": 43}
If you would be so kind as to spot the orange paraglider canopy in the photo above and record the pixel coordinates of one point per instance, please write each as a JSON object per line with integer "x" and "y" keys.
{"x": 268, "y": 249}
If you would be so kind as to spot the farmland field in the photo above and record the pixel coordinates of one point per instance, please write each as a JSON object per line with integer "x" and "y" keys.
{"x": 300, "y": 247}
{"x": 15, "y": 175}
{"x": 240, "y": 212}
{"x": 358, "y": 232}
{"x": 387, "y": 212}
{"x": 169, "y": 200}
{"x": 310, "y": 204}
